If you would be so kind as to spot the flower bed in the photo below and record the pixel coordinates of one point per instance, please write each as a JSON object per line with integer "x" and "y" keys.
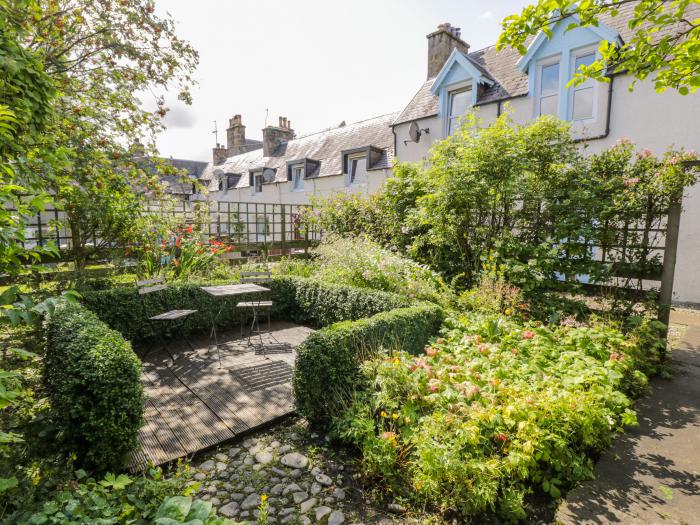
{"x": 497, "y": 411}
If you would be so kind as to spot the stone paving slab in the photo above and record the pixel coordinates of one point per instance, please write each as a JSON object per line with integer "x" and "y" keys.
{"x": 651, "y": 474}
{"x": 194, "y": 403}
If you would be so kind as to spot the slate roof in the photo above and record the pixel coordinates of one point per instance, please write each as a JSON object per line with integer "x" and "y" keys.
{"x": 501, "y": 66}
{"x": 191, "y": 169}
{"x": 325, "y": 147}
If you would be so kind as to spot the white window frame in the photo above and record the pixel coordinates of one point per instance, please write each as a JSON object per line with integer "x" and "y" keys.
{"x": 577, "y": 53}
{"x": 358, "y": 180}
{"x": 538, "y": 87}
{"x": 298, "y": 177}
{"x": 450, "y": 98}
{"x": 257, "y": 175}
{"x": 262, "y": 228}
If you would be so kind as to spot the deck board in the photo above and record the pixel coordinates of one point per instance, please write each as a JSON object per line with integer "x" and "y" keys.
{"x": 193, "y": 404}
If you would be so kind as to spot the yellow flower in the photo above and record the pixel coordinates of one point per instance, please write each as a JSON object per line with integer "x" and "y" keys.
{"x": 507, "y": 311}
{"x": 394, "y": 416}
{"x": 384, "y": 414}
{"x": 397, "y": 361}
{"x": 263, "y": 498}
{"x": 407, "y": 420}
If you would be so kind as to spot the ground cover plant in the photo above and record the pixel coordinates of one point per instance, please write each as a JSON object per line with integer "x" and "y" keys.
{"x": 498, "y": 411}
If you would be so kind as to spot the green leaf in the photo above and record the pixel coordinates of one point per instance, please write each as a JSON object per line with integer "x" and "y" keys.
{"x": 7, "y": 484}
{"x": 175, "y": 507}
{"x": 116, "y": 482}
{"x": 200, "y": 510}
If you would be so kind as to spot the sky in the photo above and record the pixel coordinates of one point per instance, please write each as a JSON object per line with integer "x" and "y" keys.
{"x": 316, "y": 62}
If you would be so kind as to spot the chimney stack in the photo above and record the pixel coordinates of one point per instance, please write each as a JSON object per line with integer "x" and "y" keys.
{"x": 273, "y": 136}
{"x": 440, "y": 46}
{"x": 219, "y": 154}
{"x": 235, "y": 136}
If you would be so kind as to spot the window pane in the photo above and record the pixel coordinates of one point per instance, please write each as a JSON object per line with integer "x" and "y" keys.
{"x": 549, "y": 105}
{"x": 353, "y": 170}
{"x": 585, "y": 60}
{"x": 460, "y": 103}
{"x": 583, "y": 103}
{"x": 549, "y": 82}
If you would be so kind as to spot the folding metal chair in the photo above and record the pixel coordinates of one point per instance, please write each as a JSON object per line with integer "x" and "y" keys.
{"x": 256, "y": 307}
{"x": 175, "y": 317}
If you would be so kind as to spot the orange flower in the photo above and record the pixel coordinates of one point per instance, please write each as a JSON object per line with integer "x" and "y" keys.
{"x": 177, "y": 242}
{"x": 188, "y": 229}
{"x": 528, "y": 334}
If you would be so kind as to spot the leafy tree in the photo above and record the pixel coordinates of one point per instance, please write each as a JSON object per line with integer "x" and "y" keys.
{"x": 665, "y": 39}
{"x": 104, "y": 57}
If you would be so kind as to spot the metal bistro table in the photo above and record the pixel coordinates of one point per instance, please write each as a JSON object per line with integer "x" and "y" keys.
{"x": 228, "y": 290}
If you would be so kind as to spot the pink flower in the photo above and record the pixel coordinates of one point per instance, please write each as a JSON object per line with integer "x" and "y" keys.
{"x": 434, "y": 385}
{"x": 430, "y": 351}
{"x": 623, "y": 141}
{"x": 528, "y": 334}
{"x": 472, "y": 392}
{"x": 483, "y": 349}
{"x": 630, "y": 181}
{"x": 645, "y": 153}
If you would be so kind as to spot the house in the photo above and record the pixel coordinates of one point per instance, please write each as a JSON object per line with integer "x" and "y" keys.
{"x": 460, "y": 80}
{"x": 286, "y": 169}
{"x": 183, "y": 182}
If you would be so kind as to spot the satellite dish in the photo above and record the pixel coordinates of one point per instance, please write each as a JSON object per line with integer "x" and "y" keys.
{"x": 268, "y": 175}
{"x": 218, "y": 172}
{"x": 414, "y": 132}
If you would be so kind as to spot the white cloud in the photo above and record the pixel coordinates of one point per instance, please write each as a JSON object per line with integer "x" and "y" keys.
{"x": 485, "y": 15}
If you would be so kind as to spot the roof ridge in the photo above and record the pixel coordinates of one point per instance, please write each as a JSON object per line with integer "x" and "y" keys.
{"x": 346, "y": 125}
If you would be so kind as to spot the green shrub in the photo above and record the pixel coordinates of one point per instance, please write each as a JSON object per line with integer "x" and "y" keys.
{"x": 298, "y": 299}
{"x": 326, "y": 372}
{"x": 121, "y": 499}
{"x": 498, "y": 410}
{"x": 93, "y": 380}
{"x": 359, "y": 261}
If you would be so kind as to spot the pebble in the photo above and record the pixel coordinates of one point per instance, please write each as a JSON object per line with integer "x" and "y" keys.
{"x": 248, "y": 460}
{"x": 296, "y": 473}
{"x": 221, "y": 457}
{"x": 200, "y": 476}
{"x": 295, "y": 460}
{"x": 207, "y": 466}
{"x": 220, "y": 467}
{"x": 336, "y": 518}
{"x": 303, "y": 520}
{"x": 291, "y": 488}
{"x": 307, "y": 505}
{"x": 315, "y": 489}
{"x": 298, "y": 497}
{"x": 237, "y": 496}
{"x": 339, "y": 494}
{"x": 285, "y": 448}
{"x": 251, "y": 502}
{"x": 275, "y": 444}
{"x": 277, "y": 489}
{"x": 396, "y": 508}
{"x": 249, "y": 442}
{"x": 248, "y": 489}
{"x": 233, "y": 452}
{"x": 322, "y": 512}
{"x": 229, "y": 510}
{"x": 324, "y": 480}
{"x": 215, "y": 501}
{"x": 263, "y": 457}
{"x": 211, "y": 489}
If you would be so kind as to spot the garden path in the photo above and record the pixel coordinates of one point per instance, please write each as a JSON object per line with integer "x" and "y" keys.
{"x": 651, "y": 474}
{"x": 193, "y": 404}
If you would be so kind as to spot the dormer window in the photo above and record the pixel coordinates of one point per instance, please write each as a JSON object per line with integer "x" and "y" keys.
{"x": 357, "y": 169}
{"x": 458, "y": 105}
{"x": 256, "y": 182}
{"x": 582, "y": 95}
{"x": 548, "y": 88}
{"x": 298, "y": 177}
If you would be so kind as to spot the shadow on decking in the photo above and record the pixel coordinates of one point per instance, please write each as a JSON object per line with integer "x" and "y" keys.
{"x": 194, "y": 401}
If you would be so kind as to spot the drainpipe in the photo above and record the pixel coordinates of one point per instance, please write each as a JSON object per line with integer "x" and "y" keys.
{"x": 393, "y": 131}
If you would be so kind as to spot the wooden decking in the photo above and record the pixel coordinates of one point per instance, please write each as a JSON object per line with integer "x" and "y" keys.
{"x": 193, "y": 404}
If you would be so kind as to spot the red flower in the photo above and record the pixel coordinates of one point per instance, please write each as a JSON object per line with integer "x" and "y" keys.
{"x": 188, "y": 229}
{"x": 177, "y": 242}
{"x": 528, "y": 334}
{"x": 430, "y": 351}
{"x": 501, "y": 437}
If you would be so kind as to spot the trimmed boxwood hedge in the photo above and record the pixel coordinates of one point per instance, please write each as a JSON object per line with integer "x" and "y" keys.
{"x": 326, "y": 372}
{"x": 93, "y": 380}
{"x": 304, "y": 301}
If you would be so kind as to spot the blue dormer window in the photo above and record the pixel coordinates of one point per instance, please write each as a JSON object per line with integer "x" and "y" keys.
{"x": 583, "y": 95}
{"x": 548, "y": 88}
{"x": 460, "y": 101}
